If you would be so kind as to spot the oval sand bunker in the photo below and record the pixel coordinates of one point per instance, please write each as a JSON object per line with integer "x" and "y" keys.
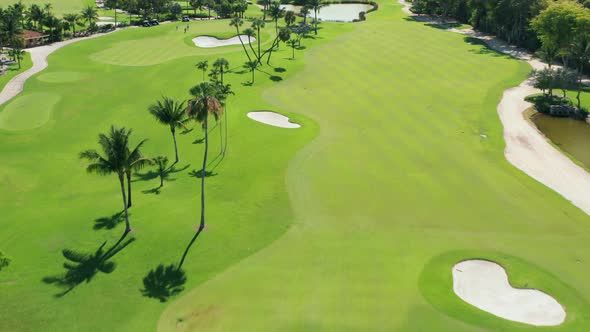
{"x": 273, "y": 119}
{"x": 208, "y": 41}
{"x": 484, "y": 285}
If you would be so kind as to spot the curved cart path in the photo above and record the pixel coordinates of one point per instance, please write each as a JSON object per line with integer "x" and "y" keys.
{"x": 527, "y": 148}
{"x": 39, "y": 57}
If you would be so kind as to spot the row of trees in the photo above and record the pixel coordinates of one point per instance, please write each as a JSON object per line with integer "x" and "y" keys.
{"x": 118, "y": 156}
{"x": 149, "y": 8}
{"x": 510, "y": 20}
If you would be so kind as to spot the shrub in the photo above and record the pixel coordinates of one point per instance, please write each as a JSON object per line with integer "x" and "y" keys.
{"x": 4, "y": 261}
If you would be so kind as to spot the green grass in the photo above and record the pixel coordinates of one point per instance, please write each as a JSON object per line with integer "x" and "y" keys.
{"x": 347, "y": 224}
{"x": 13, "y": 70}
{"x": 59, "y": 7}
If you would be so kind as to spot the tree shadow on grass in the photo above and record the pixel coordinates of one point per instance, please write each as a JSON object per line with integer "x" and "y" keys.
{"x": 275, "y": 78}
{"x": 150, "y": 175}
{"x": 163, "y": 282}
{"x": 280, "y": 70}
{"x": 198, "y": 173}
{"x": 83, "y": 267}
{"x": 171, "y": 170}
{"x": 109, "y": 222}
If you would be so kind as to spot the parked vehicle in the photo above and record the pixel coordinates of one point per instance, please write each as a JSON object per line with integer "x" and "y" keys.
{"x": 154, "y": 22}
{"x": 146, "y": 23}
{"x": 185, "y": 19}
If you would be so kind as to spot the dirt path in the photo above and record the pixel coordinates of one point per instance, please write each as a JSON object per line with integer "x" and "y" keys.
{"x": 39, "y": 57}
{"x": 526, "y": 147}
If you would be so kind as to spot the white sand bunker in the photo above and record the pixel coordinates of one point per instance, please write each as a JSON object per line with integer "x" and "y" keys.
{"x": 209, "y": 41}
{"x": 273, "y": 119}
{"x": 484, "y": 285}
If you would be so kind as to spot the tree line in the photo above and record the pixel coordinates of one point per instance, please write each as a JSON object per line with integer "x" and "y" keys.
{"x": 510, "y": 20}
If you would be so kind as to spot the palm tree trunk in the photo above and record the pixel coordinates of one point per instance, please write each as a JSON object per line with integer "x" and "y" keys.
{"x": 315, "y": 23}
{"x": 221, "y": 137}
{"x": 252, "y": 75}
{"x": 293, "y": 53}
{"x": 241, "y": 42}
{"x": 175, "y": 145}
{"x": 127, "y": 224}
{"x": 259, "y": 46}
{"x": 203, "y": 175}
{"x": 129, "y": 189}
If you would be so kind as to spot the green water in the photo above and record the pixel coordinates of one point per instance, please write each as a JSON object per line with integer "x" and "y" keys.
{"x": 572, "y": 136}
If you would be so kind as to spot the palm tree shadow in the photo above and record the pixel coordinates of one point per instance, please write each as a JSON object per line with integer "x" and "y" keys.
{"x": 83, "y": 267}
{"x": 150, "y": 175}
{"x": 109, "y": 222}
{"x": 163, "y": 282}
{"x": 199, "y": 173}
{"x": 199, "y": 141}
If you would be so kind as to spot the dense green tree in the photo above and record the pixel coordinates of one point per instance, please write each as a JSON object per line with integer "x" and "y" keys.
{"x": 290, "y": 18}
{"x": 90, "y": 15}
{"x": 72, "y": 19}
{"x": 276, "y": 12}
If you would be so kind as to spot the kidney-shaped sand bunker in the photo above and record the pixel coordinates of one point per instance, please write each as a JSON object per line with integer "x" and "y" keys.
{"x": 485, "y": 285}
{"x": 273, "y": 119}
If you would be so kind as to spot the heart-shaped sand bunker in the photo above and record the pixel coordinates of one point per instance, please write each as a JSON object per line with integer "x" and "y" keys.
{"x": 273, "y": 119}
{"x": 484, "y": 284}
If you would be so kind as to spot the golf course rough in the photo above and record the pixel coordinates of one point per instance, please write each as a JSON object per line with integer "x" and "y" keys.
{"x": 337, "y": 225}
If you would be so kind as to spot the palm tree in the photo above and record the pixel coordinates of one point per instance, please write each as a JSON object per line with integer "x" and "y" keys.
{"x": 580, "y": 52}
{"x": 290, "y": 18}
{"x": 293, "y": 43}
{"x": 237, "y": 23}
{"x": 257, "y": 24}
{"x": 161, "y": 164}
{"x": 315, "y": 5}
{"x": 221, "y": 65}
{"x": 204, "y": 103}
{"x": 115, "y": 148}
{"x": 203, "y": 65}
{"x": 304, "y": 12}
{"x": 89, "y": 14}
{"x": 36, "y": 15}
{"x": 169, "y": 112}
{"x": 251, "y": 65}
{"x": 72, "y": 19}
{"x": 135, "y": 161}
{"x": 275, "y": 12}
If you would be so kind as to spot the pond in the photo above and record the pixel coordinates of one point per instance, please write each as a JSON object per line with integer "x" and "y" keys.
{"x": 572, "y": 136}
{"x": 346, "y": 12}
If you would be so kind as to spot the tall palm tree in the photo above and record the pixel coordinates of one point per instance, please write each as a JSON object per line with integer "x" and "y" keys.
{"x": 36, "y": 15}
{"x": 221, "y": 65}
{"x": 258, "y": 24}
{"x": 237, "y": 23}
{"x": 275, "y": 12}
{"x": 135, "y": 161}
{"x": 115, "y": 149}
{"x": 169, "y": 112}
{"x": 203, "y": 65}
{"x": 72, "y": 19}
{"x": 204, "y": 102}
{"x": 315, "y": 5}
{"x": 89, "y": 14}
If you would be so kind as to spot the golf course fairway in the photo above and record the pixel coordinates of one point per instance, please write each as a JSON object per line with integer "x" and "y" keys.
{"x": 352, "y": 222}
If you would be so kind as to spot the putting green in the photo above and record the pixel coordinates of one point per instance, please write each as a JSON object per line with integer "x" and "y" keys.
{"x": 29, "y": 111}
{"x": 61, "y": 77}
{"x": 329, "y": 227}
